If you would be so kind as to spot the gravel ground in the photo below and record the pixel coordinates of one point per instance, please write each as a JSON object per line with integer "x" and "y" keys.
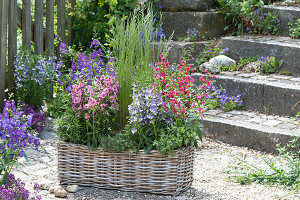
{"x": 210, "y": 177}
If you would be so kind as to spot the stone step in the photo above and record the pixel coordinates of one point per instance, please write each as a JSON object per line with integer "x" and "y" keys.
{"x": 250, "y": 129}
{"x": 209, "y": 24}
{"x": 177, "y": 49}
{"x": 186, "y": 5}
{"x": 283, "y": 48}
{"x": 273, "y": 94}
{"x": 285, "y": 14}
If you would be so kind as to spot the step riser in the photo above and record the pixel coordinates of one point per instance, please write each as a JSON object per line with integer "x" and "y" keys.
{"x": 259, "y": 96}
{"x": 242, "y": 136}
{"x": 176, "y": 50}
{"x": 186, "y": 5}
{"x": 285, "y": 15}
{"x": 209, "y": 24}
{"x": 249, "y": 48}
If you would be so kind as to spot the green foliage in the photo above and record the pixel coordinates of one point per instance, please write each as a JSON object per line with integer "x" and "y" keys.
{"x": 295, "y": 29}
{"x": 58, "y": 105}
{"x": 174, "y": 137}
{"x": 248, "y": 16}
{"x": 118, "y": 143}
{"x": 94, "y": 19}
{"x": 283, "y": 170}
{"x": 132, "y": 50}
{"x": 285, "y": 72}
{"x": 240, "y": 64}
{"x": 271, "y": 65}
{"x": 213, "y": 49}
{"x": 71, "y": 129}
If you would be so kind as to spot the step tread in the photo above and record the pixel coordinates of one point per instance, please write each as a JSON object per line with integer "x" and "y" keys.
{"x": 277, "y": 40}
{"x": 254, "y": 120}
{"x": 283, "y": 48}
{"x": 280, "y": 81}
{"x": 285, "y": 8}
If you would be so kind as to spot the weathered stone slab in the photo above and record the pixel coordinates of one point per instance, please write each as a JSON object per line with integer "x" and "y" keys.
{"x": 209, "y": 24}
{"x": 272, "y": 97}
{"x": 177, "y": 50}
{"x": 241, "y": 133}
{"x": 283, "y": 48}
{"x": 186, "y": 5}
{"x": 285, "y": 14}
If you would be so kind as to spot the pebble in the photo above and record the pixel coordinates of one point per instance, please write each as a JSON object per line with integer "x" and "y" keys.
{"x": 72, "y": 188}
{"x": 60, "y": 192}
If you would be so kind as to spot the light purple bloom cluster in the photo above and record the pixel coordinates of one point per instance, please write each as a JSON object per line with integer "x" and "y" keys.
{"x": 263, "y": 59}
{"x": 192, "y": 32}
{"x": 14, "y": 189}
{"x": 222, "y": 97}
{"x": 146, "y": 107}
{"x": 224, "y": 51}
{"x": 15, "y": 133}
{"x": 38, "y": 70}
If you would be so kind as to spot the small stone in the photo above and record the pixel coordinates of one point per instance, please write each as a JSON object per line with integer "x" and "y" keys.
{"x": 52, "y": 188}
{"x": 72, "y": 188}
{"x": 210, "y": 67}
{"x": 60, "y": 193}
{"x": 44, "y": 186}
{"x": 222, "y": 60}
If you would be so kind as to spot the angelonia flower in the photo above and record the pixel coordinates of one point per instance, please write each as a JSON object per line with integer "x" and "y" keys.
{"x": 15, "y": 131}
{"x": 99, "y": 95}
{"x": 14, "y": 189}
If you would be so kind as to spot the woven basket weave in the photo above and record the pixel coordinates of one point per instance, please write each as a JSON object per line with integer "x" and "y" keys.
{"x": 140, "y": 172}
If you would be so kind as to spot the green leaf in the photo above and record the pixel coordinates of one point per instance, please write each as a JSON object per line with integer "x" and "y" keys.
{"x": 198, "y": 131}
{"x": 26, "y": 157}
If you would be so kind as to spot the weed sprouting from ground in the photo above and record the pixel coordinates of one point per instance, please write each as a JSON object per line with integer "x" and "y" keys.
{"x": 283, "y": 169}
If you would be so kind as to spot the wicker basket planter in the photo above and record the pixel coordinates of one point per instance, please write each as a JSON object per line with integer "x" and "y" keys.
{"x": 140, "y": 172}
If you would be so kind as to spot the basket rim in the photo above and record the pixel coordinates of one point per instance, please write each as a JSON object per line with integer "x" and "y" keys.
{"x": 141, "y": 151}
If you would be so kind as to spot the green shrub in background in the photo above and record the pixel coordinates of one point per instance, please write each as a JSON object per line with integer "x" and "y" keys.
{"x": 94, "y": 18}
{"x": 248, "y": 16}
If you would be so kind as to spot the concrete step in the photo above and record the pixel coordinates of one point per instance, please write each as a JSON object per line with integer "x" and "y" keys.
{"x": 283, "y": 48}
{"x": 285, "y": 14}
{"x": 273, "y": 94}
{"x": 186, "y": 5}
{"x": 210, "y": 24}
{"x": 250, "y": 129}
